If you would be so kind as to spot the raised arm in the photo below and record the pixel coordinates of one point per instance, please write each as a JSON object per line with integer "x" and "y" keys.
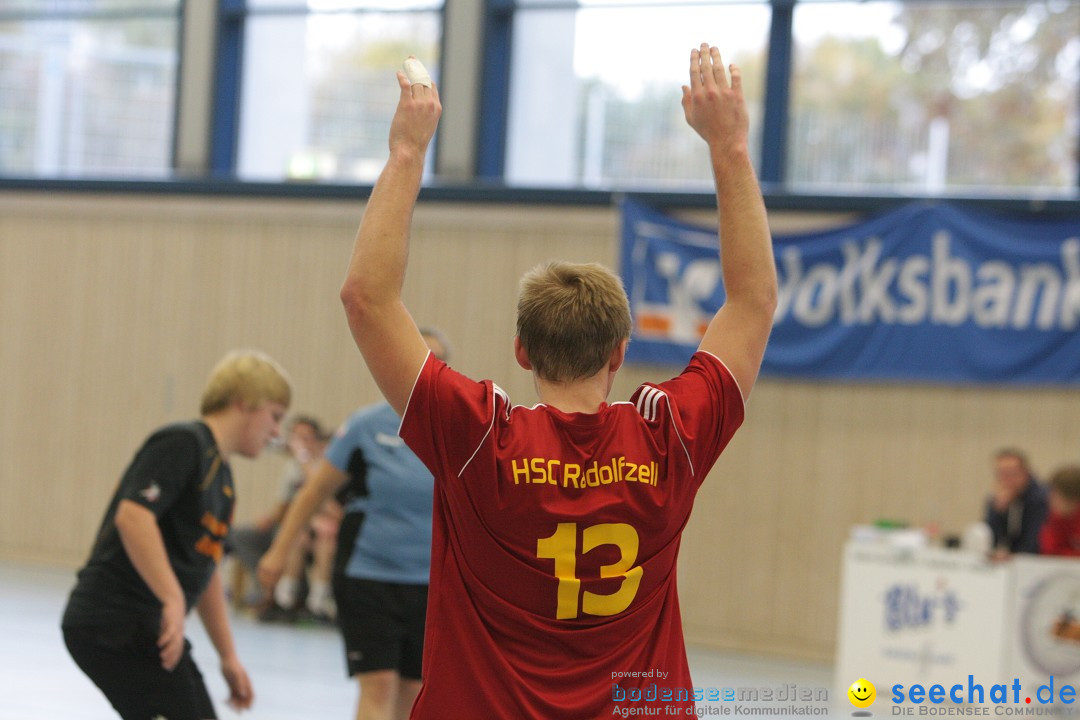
{"x": 716, "y": 110}
{"x": 381, "y": 325}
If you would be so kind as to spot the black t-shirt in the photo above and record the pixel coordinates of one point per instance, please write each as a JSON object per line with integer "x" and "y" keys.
{"x": 180, "y": 476}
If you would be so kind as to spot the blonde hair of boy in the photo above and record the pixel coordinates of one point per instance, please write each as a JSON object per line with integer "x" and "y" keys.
{"x": 249, "y": 376}
{"x": 570, "y": 318}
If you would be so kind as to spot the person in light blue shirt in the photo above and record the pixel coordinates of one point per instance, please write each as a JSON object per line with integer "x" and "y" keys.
{"x": 383, "y": 558}
{"x": 386, "y": 535}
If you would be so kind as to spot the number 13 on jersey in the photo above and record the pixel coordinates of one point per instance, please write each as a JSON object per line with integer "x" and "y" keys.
{"x": 562, "y": 548}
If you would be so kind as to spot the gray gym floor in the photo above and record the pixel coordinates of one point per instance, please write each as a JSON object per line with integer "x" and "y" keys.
{"x": 298, "y": 672}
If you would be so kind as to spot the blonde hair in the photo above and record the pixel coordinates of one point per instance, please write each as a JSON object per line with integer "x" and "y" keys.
{"x": 570, "y": 318}
{"x": 246, "y": 375}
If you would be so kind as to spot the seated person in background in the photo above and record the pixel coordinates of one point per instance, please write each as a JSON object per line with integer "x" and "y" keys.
{"x": 1017, "y": 508}
{"x": 305, "y": 444}
{"x": 1061, "y": 533}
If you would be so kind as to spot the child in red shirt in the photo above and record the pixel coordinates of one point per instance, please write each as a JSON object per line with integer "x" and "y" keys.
{"x": 1061, "y": 533}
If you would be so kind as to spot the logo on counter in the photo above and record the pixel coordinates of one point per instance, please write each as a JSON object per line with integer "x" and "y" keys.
{"x": 1050, "y": 625}
{"x": 907, "y": 607}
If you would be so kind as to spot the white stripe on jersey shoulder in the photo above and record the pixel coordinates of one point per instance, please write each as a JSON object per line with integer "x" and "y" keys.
{"x": 411, "y": 391}
{"x": 496, "y": 392}
{"x": 660, "y": 395}
{"x": 647, "y": 401}
{"x": 647, "y": 404}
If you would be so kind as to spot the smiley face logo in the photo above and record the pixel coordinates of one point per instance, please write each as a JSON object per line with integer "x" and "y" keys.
{"x": 862, "y": 693}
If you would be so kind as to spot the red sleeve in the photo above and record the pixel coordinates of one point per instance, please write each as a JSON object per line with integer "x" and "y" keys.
{"x": 706, "y": 407}
{"x": 1054, "y": 536}
{"x": 447, "y": 417}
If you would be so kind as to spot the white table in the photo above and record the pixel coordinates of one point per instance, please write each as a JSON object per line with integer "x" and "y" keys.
{"x": 935, "y": 616}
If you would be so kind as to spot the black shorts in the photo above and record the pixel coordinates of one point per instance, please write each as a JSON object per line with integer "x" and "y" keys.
{"x": 382, "y": 625}
{"x": 125, "y": 663}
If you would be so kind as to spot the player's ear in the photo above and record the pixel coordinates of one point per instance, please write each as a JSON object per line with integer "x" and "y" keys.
{"x": 520, "y": 355}
{"x": 618, "y": 355}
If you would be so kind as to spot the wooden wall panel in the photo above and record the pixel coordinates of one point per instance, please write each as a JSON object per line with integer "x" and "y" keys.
{"x": 113, "y": 310}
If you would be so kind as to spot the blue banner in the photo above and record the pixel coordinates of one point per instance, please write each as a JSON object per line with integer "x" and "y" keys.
{"x": 928, "y": 292}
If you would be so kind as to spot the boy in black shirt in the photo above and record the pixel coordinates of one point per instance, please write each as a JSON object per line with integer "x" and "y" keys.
{"x": 156, "y": 554}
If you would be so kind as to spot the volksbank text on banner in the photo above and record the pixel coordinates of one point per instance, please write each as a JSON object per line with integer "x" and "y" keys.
{"x": 928, "y": 292}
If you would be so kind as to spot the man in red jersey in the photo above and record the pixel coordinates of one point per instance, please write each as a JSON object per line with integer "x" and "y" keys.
{"x": 556, "y": 528}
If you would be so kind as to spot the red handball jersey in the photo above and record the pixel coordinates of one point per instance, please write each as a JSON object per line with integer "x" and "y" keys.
{"x": 555, "y": 539}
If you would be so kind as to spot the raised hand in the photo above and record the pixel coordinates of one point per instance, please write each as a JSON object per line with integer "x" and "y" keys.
{"x": 714, "y": 107}
{"x": 416, "y": 117}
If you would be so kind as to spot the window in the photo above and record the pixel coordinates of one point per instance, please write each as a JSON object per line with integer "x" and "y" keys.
{"x": 318, "y": 88}
{"x": 595, "y": 91}
{"x": 931, "y": 97}
{"x": 87, "y": 87}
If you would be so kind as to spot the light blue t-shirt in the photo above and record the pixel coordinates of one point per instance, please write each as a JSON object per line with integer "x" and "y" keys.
{"x": 394, "y": 541}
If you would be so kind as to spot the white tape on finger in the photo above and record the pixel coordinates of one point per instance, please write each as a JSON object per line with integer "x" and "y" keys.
{"x": 416, "y": 72}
